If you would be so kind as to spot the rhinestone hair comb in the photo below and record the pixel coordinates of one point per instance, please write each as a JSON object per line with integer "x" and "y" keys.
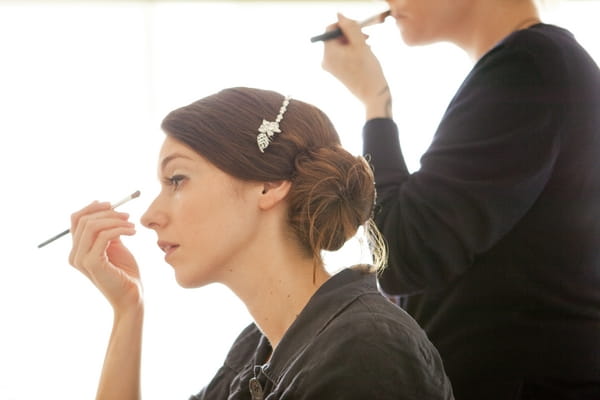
{"x": 269, "y": 128}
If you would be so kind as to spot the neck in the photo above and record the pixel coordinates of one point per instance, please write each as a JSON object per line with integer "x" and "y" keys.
{"x": 491, "y": 21}
{"x": 277, "y": 289}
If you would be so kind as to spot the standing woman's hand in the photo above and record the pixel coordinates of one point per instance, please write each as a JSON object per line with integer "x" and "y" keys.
{"x": 352, "y": 62}
{"x": 100, "y": 255}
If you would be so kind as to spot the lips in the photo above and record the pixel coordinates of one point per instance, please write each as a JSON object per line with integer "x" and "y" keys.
{"x": 167, "y": 247}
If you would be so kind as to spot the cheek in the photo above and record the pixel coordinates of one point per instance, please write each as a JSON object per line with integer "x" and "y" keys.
{"x": 204, "y": 230}
{"x": 215, "y": 228}
{"x": 412, "y": 31}
{"x": 422, "y": 27}
{"x": 412, "y": 22}
{"x": 428, "y": 17}
{"x": 202, "y": 219}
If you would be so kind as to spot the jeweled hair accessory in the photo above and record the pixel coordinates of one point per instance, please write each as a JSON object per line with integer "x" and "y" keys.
{"x": 269, "y": 128}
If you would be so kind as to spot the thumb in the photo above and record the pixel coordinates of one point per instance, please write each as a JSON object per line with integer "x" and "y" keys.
{"x": 351, "y": 29}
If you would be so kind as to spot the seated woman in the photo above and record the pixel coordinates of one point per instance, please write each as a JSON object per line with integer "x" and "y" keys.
{"x": 254, "y": 187}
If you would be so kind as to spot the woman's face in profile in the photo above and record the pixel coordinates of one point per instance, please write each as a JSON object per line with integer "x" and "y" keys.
{"x": 205, "y": 219}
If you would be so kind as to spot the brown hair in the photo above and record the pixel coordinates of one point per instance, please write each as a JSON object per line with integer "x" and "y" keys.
{"x": 332, "y": 191}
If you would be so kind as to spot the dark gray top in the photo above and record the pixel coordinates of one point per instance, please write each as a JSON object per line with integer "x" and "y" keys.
{"x": 349, "y": 342}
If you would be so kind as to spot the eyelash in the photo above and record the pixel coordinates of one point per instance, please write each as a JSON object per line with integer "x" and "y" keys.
{"x": 174, "y": 181}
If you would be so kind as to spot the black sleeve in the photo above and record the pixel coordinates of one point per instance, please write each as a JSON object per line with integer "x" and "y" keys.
{"x": 489, "y": 160}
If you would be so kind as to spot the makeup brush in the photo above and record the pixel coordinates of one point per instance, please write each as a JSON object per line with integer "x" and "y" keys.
{"x": 113, "y": 206}
{"x": 376, "y": 19}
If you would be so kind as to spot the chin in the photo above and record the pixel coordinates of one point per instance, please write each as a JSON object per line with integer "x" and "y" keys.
{"x": 414, "y": 40}
{"x": 190, "y": 282}
{"x": 185, "y": 284}
{"x": 415, "y": 37}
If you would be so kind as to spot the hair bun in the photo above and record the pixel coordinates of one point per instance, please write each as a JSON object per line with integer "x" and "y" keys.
{"x": 332, "y": 195}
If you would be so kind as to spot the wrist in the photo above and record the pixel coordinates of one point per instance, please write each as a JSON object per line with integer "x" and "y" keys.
{"x": 380, "y": 106}
{"x": 133, "y": 312}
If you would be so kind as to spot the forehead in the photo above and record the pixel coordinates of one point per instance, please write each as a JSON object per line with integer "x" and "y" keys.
{"x": 175, "y": 152}
{"x": 171, "y": 145}
{"x": 172, "y": 149}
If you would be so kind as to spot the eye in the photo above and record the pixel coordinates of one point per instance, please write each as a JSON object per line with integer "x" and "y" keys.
{"x": 174, "y": 181}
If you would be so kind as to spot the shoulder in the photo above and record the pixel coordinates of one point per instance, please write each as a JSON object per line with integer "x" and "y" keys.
{"x": 548, "y": 53}
{"x": 372, "y": 314}
{"x": 545, "y": 39}
{"x": 374, "y": 344}
{"x": 378, "y": 325}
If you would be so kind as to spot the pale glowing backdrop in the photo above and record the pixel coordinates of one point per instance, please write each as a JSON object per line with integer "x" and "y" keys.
{"x": 83, "y": 87}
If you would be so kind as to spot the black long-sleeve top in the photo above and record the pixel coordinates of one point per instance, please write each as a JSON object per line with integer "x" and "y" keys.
{"x": 495, "y": 241}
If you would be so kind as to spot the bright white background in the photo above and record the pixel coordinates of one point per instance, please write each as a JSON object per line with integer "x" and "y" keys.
{"x": 83, "y": 87}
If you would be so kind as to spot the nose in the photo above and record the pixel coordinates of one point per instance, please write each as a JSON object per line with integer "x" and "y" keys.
{"x": 154, "y": 217}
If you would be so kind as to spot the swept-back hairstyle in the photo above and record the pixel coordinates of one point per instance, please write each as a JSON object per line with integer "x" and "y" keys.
{"x": 332, "y": 191}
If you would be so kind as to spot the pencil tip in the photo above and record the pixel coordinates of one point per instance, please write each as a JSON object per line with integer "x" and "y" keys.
{"x": 135, "y": 194}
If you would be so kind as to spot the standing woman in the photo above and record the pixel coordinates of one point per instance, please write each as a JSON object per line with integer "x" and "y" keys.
{"x": 254, "y": 187}
{"x": 495, "y": 241}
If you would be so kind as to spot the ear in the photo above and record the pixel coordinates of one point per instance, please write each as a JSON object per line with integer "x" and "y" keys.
{"x": 273, "y": 193}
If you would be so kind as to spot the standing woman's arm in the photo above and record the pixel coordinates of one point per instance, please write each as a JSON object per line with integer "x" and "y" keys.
{"x": 491, "y": 158}
{"x": 350, "y": 59}
{"x": 100, "y": 255}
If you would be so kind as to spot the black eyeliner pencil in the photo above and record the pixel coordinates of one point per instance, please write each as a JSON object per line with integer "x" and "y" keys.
{"x": 376, "y": 19}
{"x": 115, "y": 205}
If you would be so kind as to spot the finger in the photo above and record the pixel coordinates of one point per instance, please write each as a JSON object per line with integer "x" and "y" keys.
{"x": 96, "y": 258}
{"x": 89, "y": 209}
{"x": 331, "y": 27}
{"x": 85, "y": 241}
{"x": 351, "y": 29}
{"x": 84, "y": 220}
{"x": 87, "y": 233}
{"x": 89, "y": 229}
{"x": 100, "y": 270}
{"x": 103, "y": 240}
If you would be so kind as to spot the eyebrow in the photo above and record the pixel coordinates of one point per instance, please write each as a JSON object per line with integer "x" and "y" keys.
{"x": 170, "y": 158}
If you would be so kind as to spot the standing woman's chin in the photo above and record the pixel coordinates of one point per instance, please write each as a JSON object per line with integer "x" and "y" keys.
{"x": 414, "y": 31}
{"x": 407, "y": 31}
{"x": 415, "y": 37}
{"x": 409, "y": 38}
